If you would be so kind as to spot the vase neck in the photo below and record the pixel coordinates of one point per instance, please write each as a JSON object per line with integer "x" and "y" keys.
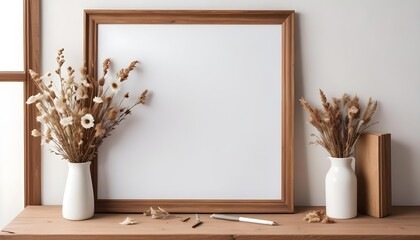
{"x": 341, "y": 162}
{"x": 79, "y": 165}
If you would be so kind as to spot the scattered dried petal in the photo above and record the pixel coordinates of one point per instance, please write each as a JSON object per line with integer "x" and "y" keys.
{"x": 159, "y": 213}
{"x": 128, "y": 221}
{"x": 318, "y": 216}
{"x": 328, "y": 220}
{"x": 147, "y": 213}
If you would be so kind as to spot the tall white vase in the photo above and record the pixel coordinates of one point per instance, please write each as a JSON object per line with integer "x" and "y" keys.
{"x": 78, "y": 200}
{"x": 341, "y": 189}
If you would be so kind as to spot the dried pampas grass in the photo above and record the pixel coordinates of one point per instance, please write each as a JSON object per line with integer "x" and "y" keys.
{"x": 339, "y": 124}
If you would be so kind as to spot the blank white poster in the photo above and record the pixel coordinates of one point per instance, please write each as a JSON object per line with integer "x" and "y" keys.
{"x": 212, "y": 126}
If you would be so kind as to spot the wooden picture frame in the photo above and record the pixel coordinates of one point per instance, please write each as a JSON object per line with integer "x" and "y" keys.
{"x": 93, "y": 18}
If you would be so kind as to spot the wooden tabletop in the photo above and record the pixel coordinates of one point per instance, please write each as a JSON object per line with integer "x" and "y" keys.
{"x": 46, "y": 222}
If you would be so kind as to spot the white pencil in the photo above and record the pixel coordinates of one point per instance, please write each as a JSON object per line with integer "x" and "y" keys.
{"x": 242, "y": 219}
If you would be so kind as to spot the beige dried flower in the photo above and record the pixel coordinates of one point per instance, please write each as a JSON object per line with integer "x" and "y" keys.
{"x": 78, "y": 113}
{"x": 36, "y": 133}
{"x": 112, "y": 114}
{"x": 352, "y": 112}
{"x": 47, "y": 134}
{"x": 81, "y": 93}
{"x": 60, "y": 104}
{"x": 99, "y": 130}
{"x": 66, "y": 121}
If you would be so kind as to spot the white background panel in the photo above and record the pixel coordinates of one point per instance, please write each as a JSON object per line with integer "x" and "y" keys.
{"x": 211, "y": 129}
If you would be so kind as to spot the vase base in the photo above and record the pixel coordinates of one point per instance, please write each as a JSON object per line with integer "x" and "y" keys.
{"x": 341, "y": 217}
{"x": 79, "y": 218}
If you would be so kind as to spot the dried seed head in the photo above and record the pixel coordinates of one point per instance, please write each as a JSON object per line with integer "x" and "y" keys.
{"x": 123, "y": 74}
{"x": 142, "y": 98}
{"x": 112, "y": 114}
{"x": 105, "y": 65}
{"x": 101, "y": 81}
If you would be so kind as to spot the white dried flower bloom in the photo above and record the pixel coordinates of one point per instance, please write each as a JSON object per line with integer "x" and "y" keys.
{"x": 87, "y": 121}
{"x": 85, "y": 83}
{"x": 36, "y": 133}
{"x": 66, "y": 121}
{"x": 34, "y": 98}
{"x": 115, "y": 86}
{"x": 80, "y": 142}
{"x": 98, "y": 100}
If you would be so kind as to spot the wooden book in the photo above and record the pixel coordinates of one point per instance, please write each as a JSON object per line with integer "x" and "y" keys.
{"x": 373, "y": 171}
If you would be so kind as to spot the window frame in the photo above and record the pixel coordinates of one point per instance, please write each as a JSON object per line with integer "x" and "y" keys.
{"x": 32, "y": 148}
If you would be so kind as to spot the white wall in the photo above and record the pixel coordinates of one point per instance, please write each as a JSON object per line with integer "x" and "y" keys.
{"x": 11, "y": 105}
{"x": 355, "y": 46}
{"x": 11, "y": 151}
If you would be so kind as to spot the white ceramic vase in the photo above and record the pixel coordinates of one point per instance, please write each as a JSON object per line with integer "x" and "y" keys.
{"x": 78, "y": 200}
{"x": 341, "y": 189}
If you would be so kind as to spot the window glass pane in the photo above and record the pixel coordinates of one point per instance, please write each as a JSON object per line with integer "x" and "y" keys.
{"x": 11, "y": 151}
{"x": 11, "y": 29}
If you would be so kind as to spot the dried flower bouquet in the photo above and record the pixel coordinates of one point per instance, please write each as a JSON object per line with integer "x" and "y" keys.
{"x": 78, "y": 115}
{"x": 339, "y": 124}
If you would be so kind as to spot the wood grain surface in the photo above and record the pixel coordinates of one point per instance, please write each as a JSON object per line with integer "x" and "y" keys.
{"x": 45, "y": 222}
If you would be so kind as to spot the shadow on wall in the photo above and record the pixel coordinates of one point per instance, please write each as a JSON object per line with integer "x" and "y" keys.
{"x": 302, "y": 189}
{"x": 403, "y": 173}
